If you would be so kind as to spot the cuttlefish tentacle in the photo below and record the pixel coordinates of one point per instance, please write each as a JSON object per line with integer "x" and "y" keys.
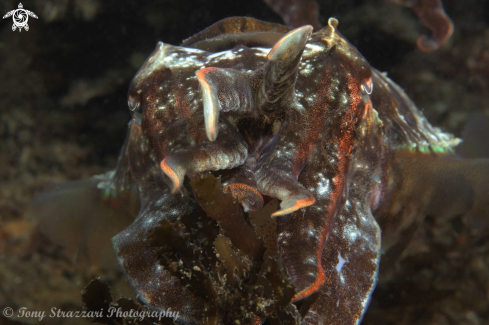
{"x": 330, "y": 128}
{"x": 229, "y": 151}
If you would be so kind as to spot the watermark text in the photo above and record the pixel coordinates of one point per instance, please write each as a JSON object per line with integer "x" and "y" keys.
{"x": 24, "y": 312}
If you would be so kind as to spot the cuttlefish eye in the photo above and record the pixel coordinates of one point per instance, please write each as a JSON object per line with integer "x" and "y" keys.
{"x": 134, "y": 103}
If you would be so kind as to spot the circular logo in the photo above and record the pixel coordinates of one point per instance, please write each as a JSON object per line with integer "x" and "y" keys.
{"x": 20, "y": 18}
{"x": 8, "y": 312}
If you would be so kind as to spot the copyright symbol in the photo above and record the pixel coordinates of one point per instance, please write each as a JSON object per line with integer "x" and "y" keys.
{"x": 8, "y": 312}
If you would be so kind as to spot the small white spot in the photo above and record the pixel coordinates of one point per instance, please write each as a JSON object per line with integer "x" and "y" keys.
{"x": 341, "y": 262}
{"x": 314, "y": 47}
{"x": 323, "y": 185}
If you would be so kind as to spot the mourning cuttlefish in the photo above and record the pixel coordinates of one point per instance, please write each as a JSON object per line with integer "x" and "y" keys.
{"x": 275, "y": 169}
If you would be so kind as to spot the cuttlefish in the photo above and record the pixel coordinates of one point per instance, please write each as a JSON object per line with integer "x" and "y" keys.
{"x": 275, "y": 170}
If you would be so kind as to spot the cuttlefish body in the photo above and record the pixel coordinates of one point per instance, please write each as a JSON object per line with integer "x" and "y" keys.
{"x": 287, "y": 115}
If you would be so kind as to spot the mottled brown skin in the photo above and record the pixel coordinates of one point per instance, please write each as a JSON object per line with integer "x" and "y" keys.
{"x": 304, "y": 120}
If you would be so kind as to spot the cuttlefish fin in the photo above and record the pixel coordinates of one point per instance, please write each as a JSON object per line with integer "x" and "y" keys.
{"x": 439, "y": 185}
{"x": 81, "y": 217}
{"x": 475, "y": 134}
{"x": 461, "y": 188}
